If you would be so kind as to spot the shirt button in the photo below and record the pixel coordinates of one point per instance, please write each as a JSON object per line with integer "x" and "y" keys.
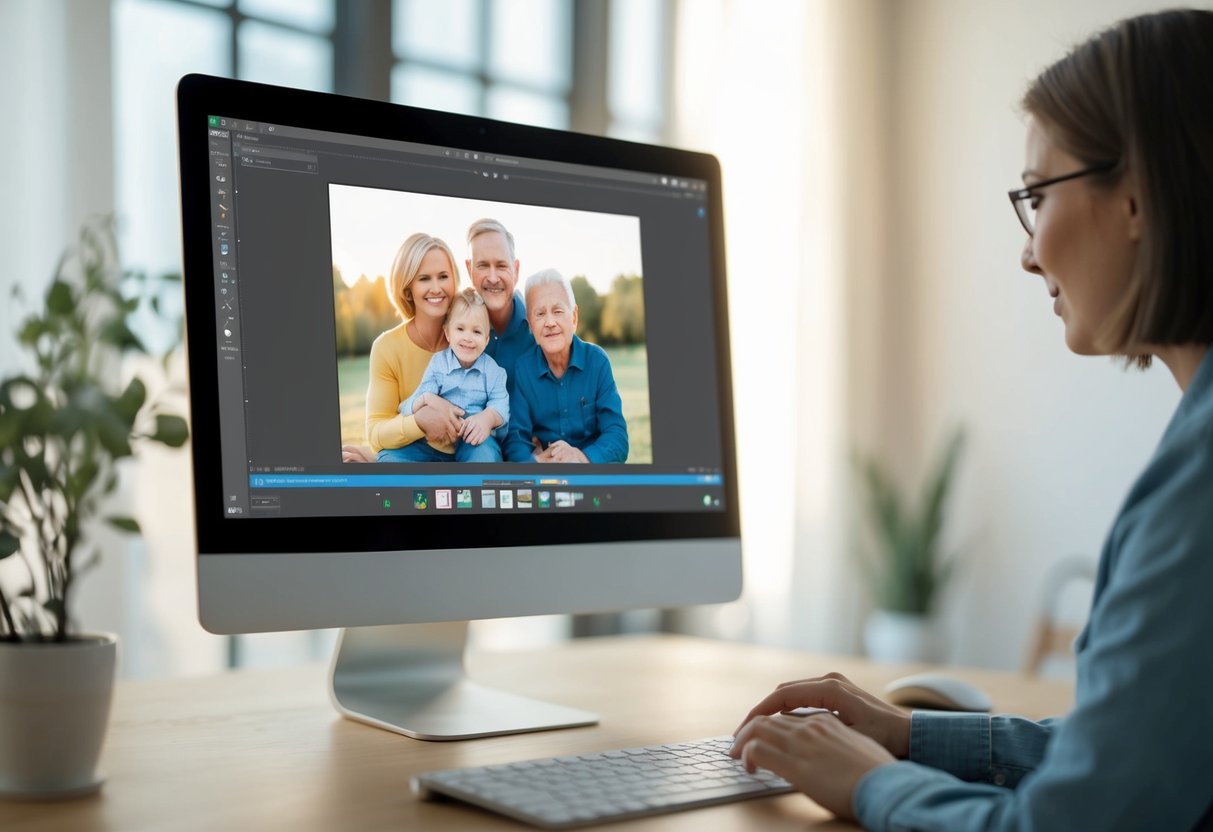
{"x": 1000, "y": 779}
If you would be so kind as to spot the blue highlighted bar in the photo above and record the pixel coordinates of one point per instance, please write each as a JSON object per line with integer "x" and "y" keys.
{"x": 471, "y": 480}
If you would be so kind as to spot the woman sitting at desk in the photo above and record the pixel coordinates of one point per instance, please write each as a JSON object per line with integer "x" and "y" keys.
{"x": 1118, "y": 206}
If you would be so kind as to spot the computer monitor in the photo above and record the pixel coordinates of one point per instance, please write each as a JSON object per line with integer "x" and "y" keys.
{"x": 301, "y": 215}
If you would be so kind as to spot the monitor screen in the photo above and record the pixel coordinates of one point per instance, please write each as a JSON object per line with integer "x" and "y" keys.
{"x": 444, "y": 367}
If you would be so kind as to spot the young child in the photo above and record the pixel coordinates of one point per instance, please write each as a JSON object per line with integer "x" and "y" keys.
{"x": 467, "y": 378}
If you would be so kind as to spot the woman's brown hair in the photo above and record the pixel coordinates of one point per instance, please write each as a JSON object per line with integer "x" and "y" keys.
{"x": 1140, "y": 94}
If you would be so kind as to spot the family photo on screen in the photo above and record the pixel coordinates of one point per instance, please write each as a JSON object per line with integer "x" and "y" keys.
{"x": 474, "y": 331}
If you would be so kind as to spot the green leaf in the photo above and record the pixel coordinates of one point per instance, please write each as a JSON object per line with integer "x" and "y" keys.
{"x": 171, "y": 430}
{"x": 9, "y": 475}
{"x": 60, "y": 300}
{"x": 10, "y": 427}
{"x": 114, "y": 435}
{"x": 9, "y": 543}
{"x": 33, "y": 329}
{"x": 126, "y": 524}
{"x": 117, "y": 333}
{"x": 82, "y": 478}
{"x": 131, "y": 400}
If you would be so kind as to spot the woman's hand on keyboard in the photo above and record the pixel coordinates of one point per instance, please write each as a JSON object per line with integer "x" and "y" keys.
{"x": 869, "y": 715}
{"x": 817, "y": 754}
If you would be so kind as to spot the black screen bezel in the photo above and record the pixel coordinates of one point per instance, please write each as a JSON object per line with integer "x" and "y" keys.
{"x": 199, "y": 96}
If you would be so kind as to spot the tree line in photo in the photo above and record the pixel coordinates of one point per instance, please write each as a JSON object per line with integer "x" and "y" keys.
{"x": 362, "y": 311}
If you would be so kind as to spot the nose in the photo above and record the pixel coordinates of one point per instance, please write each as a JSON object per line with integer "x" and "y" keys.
{"x": 1028, "y": 259}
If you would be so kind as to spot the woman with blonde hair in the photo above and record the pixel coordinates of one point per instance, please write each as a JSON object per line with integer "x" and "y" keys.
{"x": 1118, "y": 207}
{"x": 423, "y": 280}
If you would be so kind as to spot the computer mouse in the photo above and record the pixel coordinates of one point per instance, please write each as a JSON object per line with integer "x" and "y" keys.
{"x": 937, "y": 692}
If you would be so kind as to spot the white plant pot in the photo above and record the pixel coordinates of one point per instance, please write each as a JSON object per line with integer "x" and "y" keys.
{"x": 901, "y": 637}
{"x": 54, "y": 709}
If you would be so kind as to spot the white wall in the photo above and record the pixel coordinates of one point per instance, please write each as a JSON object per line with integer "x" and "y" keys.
{"x": 56, "y": 142}
{"x": 1056, "y": 439}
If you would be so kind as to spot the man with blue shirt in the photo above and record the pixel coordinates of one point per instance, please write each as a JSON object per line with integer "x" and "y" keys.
{"x": 493, "y": 269}
{"x": 564, "y": 406}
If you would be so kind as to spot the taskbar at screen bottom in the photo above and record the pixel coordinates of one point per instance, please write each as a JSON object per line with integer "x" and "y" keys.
{"x": 279, "y": 496}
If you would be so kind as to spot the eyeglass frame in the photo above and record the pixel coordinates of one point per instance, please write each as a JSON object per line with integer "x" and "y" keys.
{"x": 1018, "y": 195}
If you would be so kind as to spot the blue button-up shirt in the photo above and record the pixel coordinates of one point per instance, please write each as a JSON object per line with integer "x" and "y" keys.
{"x": 515, "y": 341}
{"x": 1137, "y": 750}
{"x": 582, "y": 407}
{"x": 473, "y": 388}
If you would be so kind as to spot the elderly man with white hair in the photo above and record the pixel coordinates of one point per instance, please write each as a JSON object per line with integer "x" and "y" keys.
{"x": 565, "y": 406}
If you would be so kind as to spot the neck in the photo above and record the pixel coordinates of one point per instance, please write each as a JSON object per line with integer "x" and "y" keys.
{"x": 427, "y": 333}
{"x": 1183, "y": 361}
{"x": 559, "y": 363}
{"x": 500, "y": 318}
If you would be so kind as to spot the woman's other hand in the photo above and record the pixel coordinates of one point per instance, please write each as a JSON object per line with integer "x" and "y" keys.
{"x": 440, "y": 420}
{"x": 817, "y": 754}
{"x": 357, "y": 453}
{"x": 869, "y": 715}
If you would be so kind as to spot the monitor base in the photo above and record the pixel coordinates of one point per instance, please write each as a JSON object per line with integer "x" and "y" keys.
{"x": 409, "y": 679}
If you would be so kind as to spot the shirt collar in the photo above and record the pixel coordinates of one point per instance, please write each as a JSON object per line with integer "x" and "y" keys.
{"x": 1197, "y": 401}
{"x": 518, "y": 318}
{"x": 577, "y": 357}
{"x": 451, "y": 361}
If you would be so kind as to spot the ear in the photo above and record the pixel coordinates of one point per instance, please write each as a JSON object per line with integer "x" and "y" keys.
{"x": 574, "y": 318}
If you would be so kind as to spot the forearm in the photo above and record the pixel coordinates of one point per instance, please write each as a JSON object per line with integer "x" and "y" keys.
{"x": 392, "y": 431}
{"x": 611, "y": 444}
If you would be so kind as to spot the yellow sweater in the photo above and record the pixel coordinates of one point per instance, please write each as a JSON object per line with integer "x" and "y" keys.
{"x": 397, "y": 365}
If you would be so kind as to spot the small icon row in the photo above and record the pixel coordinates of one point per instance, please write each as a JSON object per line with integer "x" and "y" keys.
{"x": 683, "y": 183}
{"x": 442, "y": 499}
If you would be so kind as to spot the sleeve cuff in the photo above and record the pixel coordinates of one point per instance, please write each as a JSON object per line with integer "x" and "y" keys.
{"x": 956, "y": 743}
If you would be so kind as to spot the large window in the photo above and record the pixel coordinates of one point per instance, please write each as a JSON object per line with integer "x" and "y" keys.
{"x": 598, "y": 66}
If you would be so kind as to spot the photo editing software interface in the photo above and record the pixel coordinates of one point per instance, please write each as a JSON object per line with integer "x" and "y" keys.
{"x": 321, "y": 376}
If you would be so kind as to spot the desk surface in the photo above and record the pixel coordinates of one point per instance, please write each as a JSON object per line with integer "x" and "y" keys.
{"x": 266, "y": 750}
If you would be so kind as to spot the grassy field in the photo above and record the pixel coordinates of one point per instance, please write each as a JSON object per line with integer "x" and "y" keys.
{"x": 630, "y": 365}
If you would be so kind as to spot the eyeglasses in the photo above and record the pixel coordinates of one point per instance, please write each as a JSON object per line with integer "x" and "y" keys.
{"x": 1023, "y": 200}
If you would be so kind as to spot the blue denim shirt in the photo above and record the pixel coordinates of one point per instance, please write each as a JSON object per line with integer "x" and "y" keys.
{"x": 582, "y": 407}
{"x": 515, "y": 341}
{"x": 1137, "y": 750}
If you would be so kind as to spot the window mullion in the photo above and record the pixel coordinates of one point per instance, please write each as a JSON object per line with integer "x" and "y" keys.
{"x": 588, "y": 107}
{"x": 483, "y": 47}
{"x": 362, "y": 49}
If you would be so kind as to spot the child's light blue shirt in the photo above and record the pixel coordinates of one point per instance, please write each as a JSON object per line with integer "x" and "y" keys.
{"x": 1137, "y": 750}
{"x": 473, "y": 389}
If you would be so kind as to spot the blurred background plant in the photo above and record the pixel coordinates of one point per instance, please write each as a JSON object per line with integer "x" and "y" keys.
{"x": 906, "y": 569}
{"x": 66, "y": 421}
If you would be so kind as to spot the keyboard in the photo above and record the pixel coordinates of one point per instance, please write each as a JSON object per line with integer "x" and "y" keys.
{"x": 566, "y": 792}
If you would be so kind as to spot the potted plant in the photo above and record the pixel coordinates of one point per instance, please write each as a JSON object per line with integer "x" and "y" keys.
{"x": 65, "y": 423}
{"x": 906, "y": 568}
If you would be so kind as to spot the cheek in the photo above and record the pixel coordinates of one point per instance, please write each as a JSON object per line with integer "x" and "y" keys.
{"x": 1048, "y": 246}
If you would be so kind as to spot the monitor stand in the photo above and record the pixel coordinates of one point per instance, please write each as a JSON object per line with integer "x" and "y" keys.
{"x": 409, "y": 678}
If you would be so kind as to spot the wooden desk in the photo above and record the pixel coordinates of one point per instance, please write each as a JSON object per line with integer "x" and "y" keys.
{"x": 265, "y": 749}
